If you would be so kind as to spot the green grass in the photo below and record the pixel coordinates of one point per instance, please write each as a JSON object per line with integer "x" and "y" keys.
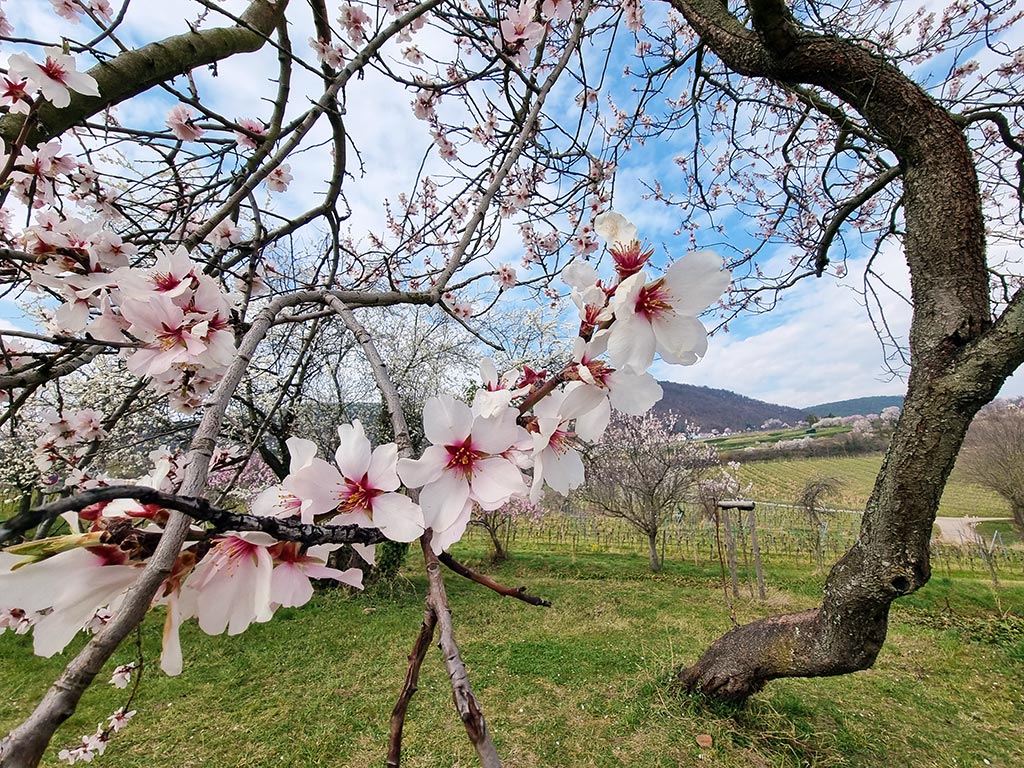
{"x": 579, "y": 684}
{"x": 1007, "y": 532}
{"x": 782, "y": 481}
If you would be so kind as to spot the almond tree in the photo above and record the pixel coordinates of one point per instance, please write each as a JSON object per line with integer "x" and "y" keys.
{"x": 644, "y": 474}
{"x": 938, "y": 173}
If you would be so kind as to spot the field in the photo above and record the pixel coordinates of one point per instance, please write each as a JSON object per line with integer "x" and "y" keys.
{"x": 782, "y": 481}
{"x": 583, "y": 683}
{"x": 741, "y": 440}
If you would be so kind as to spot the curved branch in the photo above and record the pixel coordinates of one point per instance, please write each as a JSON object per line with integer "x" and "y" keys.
{"x": 501, "y": 589}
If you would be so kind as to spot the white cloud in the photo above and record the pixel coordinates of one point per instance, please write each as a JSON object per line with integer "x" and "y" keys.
{"x": 817, "y": 345}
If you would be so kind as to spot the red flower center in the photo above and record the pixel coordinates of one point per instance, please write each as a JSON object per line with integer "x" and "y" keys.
{"x": 463, "y": 456}
{"x": 652, "y": 301}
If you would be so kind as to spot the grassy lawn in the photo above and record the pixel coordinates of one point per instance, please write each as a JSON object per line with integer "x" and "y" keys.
{"x": 579, "y": 684}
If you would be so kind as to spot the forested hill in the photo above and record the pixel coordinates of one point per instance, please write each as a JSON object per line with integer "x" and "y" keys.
{"x": 721, "y": 409}
{"x": 856, "y": 406}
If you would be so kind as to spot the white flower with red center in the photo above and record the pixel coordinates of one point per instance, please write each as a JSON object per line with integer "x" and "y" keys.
{"x": 493, "y": 398}
{"x": 230, "y": 588}
{"x": 122, "y": 675}
{"x": 331, "y": 55}
{"x": 290, "y": 585}
{"x": 620, "y": 234}
{"x": 170, "y": 336}
{"x": 14, "y": 94}
{"x": 56, "y": 77}
{"x": 361, "y": 488}
{"x": 520, "y": 33}
{"x": 661, "y": 316}
{"x": 252, "y": 128}
{"x": 279, "y": 178}
{"x": 506, "y": 277}
{"x": 277, "y": 501}
{"x": 625, "y": 391}
{"x": 120, "y": 719}
{"x": 354, "y": 21}
{"x": 172, "y": 276}
{"x": 555, "y": 459}
{"x": 465, "y": 463}
{"x": 225, "y": 234}
{"x": 181, "y": 121}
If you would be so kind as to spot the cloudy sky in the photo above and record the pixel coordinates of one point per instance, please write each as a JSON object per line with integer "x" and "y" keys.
{"x": 817, "y": 345}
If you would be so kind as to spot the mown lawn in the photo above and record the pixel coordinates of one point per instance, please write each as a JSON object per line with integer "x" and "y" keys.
{"x": 580, "y": 684}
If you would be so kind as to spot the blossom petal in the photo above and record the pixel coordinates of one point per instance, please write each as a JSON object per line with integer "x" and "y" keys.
{"x": 442, "y": 500}
{"x": 416, "y": 473}
{"x": 696, "y": 281}
{"x": 353, "y": 454}
{"x": 398, "y": 517}
{"x": 446, "y": 420}
{"x": 495, "y": 480}
{"x": 631, "y": 343}
{"x": 381, "y": 474}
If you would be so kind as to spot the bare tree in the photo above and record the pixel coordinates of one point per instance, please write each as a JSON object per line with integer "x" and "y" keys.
{"x": 643, "y": 473}
{"x": 811, "y": 501}
{"x": 993, "y": 455}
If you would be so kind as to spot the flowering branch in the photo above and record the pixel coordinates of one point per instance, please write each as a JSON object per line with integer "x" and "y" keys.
{"x": 283, "y": 529}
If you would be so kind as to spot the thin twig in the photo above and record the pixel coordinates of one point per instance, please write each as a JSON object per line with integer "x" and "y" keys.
{"x": 479, "y": 578}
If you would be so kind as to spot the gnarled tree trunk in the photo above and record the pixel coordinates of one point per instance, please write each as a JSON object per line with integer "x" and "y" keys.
{"x": 959, "y": 357}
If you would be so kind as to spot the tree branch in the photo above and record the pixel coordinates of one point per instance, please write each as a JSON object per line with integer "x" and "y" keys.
{"x": 136, "y": 71}
{"x": 284, "y": 529}
{"x": 518, "y": 594}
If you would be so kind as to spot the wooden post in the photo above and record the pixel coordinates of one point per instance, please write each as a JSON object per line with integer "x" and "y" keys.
{"x": 749, "y": 507}
{"x": 730, "y": 549}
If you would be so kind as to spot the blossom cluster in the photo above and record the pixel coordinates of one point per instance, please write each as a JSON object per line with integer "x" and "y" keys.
{"x": 518, "y": 437}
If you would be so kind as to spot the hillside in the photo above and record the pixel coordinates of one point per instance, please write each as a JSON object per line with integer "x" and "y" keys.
{"x": 856, "y": 406}
{"x": 721, "y": 409}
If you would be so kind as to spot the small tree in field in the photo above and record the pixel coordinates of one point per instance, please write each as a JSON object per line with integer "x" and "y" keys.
{"x": 641, "y": 473}
{"x": 500, "y": 523}
{"x": 993, "y": 455}
{"x": 811, "y": 501}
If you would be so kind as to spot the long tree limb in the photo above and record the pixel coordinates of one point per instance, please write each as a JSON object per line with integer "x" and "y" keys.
{"x": 136, "y": 71}
{"x": 283, "y": 529}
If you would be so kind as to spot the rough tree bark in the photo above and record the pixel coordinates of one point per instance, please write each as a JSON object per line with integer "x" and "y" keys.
{"x": 959, "y": 356}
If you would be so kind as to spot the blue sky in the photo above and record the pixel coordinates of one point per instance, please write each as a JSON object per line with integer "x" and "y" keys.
{"x": 817, "y": 345}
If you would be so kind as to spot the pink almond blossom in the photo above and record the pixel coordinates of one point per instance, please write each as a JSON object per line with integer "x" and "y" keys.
{"x": 180, "y": 120}
{"x": 360, "y": 487}
{"x": 55, "y": 77}
{"x": 465, "y": 463}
